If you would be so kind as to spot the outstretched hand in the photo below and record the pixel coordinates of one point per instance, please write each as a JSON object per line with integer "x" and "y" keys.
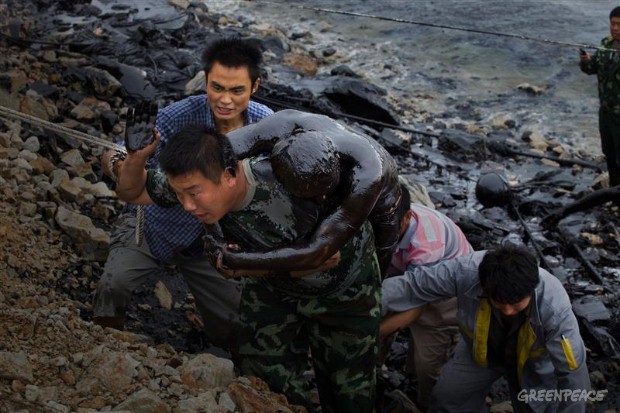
{"x": 140, "y": 126}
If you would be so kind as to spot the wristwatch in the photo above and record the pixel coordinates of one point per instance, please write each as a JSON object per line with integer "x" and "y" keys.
{"x": 117, "y": 156}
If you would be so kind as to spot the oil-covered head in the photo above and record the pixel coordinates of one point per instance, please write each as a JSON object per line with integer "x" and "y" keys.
{"x": 307, "y": 164}
{"x": 492, "y": 190}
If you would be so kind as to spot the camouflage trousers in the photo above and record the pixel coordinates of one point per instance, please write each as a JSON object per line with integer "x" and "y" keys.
{"x": 340, "y": 332}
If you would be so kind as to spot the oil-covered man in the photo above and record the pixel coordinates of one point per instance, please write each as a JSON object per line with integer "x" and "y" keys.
{"x": 319, "y": 158}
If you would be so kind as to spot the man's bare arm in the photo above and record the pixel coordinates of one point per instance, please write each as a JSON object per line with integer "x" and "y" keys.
{"x": 396, "y": 321}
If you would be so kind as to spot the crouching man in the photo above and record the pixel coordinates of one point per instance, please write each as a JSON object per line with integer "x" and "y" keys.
{"x": 516, "y": 321}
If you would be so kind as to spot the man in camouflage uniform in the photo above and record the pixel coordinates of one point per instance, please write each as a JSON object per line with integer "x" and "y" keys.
{"x": 333, "y": 312}
{"x": 605, "y": 63}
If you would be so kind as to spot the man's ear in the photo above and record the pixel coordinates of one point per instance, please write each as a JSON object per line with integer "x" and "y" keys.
{"x": 229, "y": 176}
{"x": 256, "y": 85}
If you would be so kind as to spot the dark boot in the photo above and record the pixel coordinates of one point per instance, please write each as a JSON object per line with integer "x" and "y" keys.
{"x": 112, "y": 322}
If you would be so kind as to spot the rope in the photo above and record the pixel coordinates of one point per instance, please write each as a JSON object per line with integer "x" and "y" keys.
{"x": 54, "y": 127}
{"x": 15, "y": 115}
{"x": 443, "y": 26}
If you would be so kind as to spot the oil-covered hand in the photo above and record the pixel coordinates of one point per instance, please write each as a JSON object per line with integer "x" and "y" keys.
{"x": 213, "y": 246}
{"x": 139, "y": 129}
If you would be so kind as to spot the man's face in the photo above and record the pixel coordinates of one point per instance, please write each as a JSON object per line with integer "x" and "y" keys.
{"x": 203, "y": 198}
{"x": 228, "y": 91}
{"x": 614, "y": 28}
{"x": 511, "y": 309}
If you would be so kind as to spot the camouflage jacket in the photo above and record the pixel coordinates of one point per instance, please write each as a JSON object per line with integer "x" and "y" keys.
{"x": 271, "y": 219}
{"x": 606, "y": 65}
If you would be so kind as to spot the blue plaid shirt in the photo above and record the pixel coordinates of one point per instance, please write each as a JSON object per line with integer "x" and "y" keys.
{"x": 172, "y": 230}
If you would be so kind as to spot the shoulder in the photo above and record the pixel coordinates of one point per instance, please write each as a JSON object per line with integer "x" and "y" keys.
{"x": 553, "y": 302}
{"x": 257, "y": 111}
{"x": 464, "y": 268}
{"x": 551, "y": 292}
{"x": 260, "y": 168}
{"x": 424, "y": 211}
{"x": 268, "y": 190}
{"x": 184, "y": 105}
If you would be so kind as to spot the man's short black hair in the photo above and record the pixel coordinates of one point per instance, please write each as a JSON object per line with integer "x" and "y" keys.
{"x": 615, "y": 12}
{"x": 234, "y": 52}
{"x": 509, "y": 273}
{"x": 198, "y": 148}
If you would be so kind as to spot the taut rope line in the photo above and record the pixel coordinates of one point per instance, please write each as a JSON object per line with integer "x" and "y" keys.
{"x": 443, "y": 26}
{"x": 63, "y": 130}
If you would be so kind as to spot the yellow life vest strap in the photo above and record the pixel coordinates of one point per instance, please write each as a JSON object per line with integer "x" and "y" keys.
{"x": 481, "y": 332}
{"x": 568, "y": 353}
{"x": 525, "y": 341}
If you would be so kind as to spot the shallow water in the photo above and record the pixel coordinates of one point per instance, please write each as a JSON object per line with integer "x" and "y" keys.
{"x": 442, "y": 67}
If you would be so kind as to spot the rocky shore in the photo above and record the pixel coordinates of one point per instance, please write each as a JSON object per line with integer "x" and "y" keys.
{"x": 73, "y": 64}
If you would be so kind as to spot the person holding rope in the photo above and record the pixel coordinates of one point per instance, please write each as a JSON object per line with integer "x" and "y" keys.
{"x": 605, "y": 64}
{"x": 172, "y": 235}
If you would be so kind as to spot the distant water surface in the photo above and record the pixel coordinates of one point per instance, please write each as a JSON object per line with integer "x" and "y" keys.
{"x": 443, "y": 68}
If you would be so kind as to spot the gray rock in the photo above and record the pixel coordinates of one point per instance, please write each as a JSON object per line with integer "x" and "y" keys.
{"x": 143, "y": 401}
{"x": 15, "y": 366}
{"x": 206, "y": 371}
{"x": 92, "y": 242}
{"x": 32, "y": 144}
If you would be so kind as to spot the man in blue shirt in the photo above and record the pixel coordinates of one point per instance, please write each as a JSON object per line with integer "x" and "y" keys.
{"x": 171, "y": 235}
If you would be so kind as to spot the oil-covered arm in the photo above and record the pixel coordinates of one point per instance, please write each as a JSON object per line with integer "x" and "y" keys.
{"x": 261, "y": 136}
{"x": 331, "y": 234}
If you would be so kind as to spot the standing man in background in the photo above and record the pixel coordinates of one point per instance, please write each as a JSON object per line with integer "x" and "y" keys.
{"x": 605, "y": 64}
{"x": 172, "y": 235}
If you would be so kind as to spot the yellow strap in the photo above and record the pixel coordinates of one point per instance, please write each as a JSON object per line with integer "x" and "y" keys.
{"x": 481, "y": 332}
{"x": 525, "y": 341}
{"x": 568, "y": 353}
